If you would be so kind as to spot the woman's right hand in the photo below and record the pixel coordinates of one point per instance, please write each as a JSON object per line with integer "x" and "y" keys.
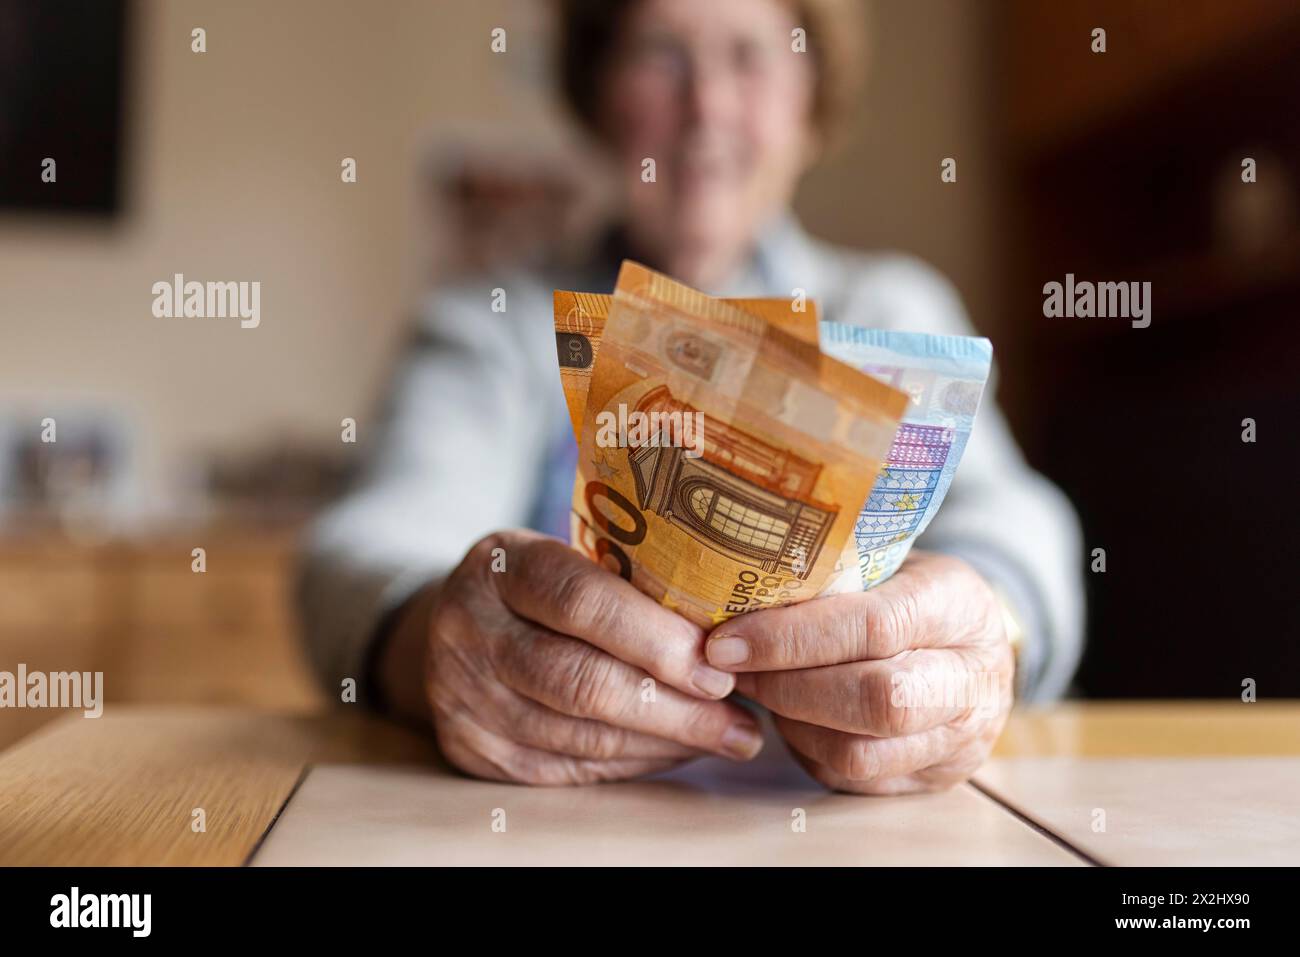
{"x": 542, "y": 667}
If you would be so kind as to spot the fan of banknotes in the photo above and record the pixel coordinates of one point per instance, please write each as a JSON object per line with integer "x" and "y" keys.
{"x": 736, "y": 454}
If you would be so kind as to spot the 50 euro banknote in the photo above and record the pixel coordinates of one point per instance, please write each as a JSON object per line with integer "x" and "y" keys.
{"x": 580, "y": 327}
{"x": 723, "y": 457}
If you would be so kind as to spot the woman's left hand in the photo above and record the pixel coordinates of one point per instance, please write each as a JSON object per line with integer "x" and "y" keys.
{"x": 902, "y": 688}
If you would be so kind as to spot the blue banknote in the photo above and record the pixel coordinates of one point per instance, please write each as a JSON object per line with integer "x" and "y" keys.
{"x": 945, "y": 377}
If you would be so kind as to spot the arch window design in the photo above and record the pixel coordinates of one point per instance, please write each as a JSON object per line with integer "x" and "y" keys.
{"x": 731, "y": 519}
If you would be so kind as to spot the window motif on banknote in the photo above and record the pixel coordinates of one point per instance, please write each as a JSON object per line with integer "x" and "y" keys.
{"x": 743, "y": 498}
{"x": 903, "y": 491}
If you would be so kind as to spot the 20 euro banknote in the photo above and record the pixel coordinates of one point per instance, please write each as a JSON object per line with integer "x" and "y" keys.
{"x": 944, "y": 379}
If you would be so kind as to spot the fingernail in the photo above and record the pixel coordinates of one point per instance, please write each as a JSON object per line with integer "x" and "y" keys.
{"x": 712, "y": 682}
{"x": 725, "y": 652}
{"x": 742, "y": 741}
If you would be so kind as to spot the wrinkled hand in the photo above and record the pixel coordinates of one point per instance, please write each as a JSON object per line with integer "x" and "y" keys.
{"x": 538, "y": 673}
{"x": 902, "y": 688}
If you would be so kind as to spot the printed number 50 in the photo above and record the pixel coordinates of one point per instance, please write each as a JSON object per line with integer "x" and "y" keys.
{"x": 628, "y": 536}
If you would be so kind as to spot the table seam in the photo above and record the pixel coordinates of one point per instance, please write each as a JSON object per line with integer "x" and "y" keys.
{"x": 257, "y": 846}
{"x": 1035, "y": 825}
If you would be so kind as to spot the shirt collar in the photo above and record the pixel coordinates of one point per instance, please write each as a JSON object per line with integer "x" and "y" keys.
{"x": 783, "y": 260}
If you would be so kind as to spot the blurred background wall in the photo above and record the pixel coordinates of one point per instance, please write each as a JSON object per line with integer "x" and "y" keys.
{"x": 232, "y": 170}
{"x": 1120, "y": 166}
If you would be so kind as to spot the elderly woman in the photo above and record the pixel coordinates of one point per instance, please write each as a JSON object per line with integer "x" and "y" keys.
{"x": 535, "y": 673}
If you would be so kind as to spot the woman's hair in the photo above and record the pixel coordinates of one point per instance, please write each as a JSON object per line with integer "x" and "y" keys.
{"x": 588, "y": 31}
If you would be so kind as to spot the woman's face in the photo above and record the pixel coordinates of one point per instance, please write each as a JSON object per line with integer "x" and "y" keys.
{"x": 715, "y": 94}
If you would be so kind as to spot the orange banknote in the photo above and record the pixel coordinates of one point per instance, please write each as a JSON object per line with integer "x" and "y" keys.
{"x": 723, "y": 458}
{"x": 580, "y": 325}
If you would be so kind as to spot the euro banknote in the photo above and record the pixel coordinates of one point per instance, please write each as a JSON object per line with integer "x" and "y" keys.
{"x": 580, "y": 325}
{"x": 723, "y": 461}
{"x": 943, "y": 378}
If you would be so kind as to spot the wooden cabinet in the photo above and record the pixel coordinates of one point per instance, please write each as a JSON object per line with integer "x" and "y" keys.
{"x": 159, "y": 631}
{"x": 1056, "y": 85}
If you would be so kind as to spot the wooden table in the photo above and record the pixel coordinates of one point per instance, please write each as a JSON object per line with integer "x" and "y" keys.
{"x": 124, "y": 789}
